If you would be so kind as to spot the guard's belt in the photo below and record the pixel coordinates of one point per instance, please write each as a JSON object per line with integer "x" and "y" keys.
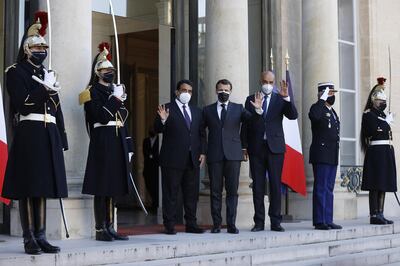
{"x": 47, "y": 118}
{"x": 109, "y": 124}
{"x": 380, "y": 142}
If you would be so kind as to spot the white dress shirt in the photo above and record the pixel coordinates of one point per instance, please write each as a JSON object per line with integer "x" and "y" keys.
{"x": 219, "y": 107}
{"x": 180, "y": 105}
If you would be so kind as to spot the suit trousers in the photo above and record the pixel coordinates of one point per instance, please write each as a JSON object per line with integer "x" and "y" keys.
{"x": 324, "y": 183}
{"x": 259, "y": 165}
{"x": 218, "y": 171}
{"x": 188, "y": 180}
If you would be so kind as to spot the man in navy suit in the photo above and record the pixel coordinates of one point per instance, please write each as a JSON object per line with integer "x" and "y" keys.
{"x": 182, "y": 154}
{"x": 224, "y": 154}
{"x": 264, "y": 139}
{"x": 324, "y": 153}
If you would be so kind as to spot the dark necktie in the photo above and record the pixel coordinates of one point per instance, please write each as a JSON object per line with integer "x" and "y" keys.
{"x": 187, "y": 117}
{"x": 223, "y": 113}
{"x": 264, "y": 106}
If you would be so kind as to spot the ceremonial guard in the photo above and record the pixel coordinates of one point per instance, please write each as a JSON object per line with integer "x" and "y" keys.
{"x": 379, "y": 172}
{"x": 35, "y": 168}
{"x": 324, "y": 154}
{"x": 110, "y": 149}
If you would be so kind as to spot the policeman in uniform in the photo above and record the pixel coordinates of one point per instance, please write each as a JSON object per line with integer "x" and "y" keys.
{"x": 35, "y": 168}
{"x": 110, "y": 149}
{"x": 324, "y": 153}
{"x": 379, "y": 172}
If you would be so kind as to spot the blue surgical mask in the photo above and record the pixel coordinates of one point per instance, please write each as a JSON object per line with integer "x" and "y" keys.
{"x": 38, "y": 57}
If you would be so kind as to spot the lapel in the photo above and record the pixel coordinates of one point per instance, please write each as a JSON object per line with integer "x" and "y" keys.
{"x": 228, "y": 110}
{"x": 214, "y": 111}
{"x": 194, "y": 114}
{"x": 179, "y": 113}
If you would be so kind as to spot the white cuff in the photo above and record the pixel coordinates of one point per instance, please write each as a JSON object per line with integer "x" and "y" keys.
{"x": 163, "y": 121}
{"x": 287, "y": 98}
{"x": 259, "y": 111}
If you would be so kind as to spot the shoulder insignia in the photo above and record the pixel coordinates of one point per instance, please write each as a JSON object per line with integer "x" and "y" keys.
{"x": 367, "y": 111}
{"x": 12, "y": 66}
{"x": 84, "y": 96}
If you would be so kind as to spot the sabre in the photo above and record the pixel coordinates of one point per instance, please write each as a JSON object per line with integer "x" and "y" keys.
{"x": 116, "y": 41}
{"x": 64, "y": 218}
{"x": 137, "y": 195}
{"x": 390, "y": 78}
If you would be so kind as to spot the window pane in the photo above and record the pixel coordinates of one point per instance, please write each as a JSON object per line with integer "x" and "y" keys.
{"x": 346, "y": 29}
{"x": 347, "y": 152}
{"x": 347, "y": 67}
{"x": 347, "y": 115}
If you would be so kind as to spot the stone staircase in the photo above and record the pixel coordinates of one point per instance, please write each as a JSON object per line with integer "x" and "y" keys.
{"x": 358, "y": 243}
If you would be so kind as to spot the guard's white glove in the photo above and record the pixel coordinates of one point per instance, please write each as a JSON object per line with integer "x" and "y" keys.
{"x": 130, "y": 156}
{"x": 325, "y": 95}
{"x": 119, "y": 91}
{"x": 49, "y": 80}
{"x": 390, "y": 119}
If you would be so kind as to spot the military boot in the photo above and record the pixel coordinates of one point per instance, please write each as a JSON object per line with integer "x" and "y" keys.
{"x": 110, "y": 220}
{"x": 102, "y": 233}
{"x": 28, "y": 227}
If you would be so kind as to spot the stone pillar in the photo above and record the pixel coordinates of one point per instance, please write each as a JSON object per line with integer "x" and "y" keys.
{"x": 71, "y": 55}
{"x": 227, "y": 57}
{"x": 320, "y": 63}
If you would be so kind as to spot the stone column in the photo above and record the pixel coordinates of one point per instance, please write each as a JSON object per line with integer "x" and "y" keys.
{"x": 227, "y": 57}
{"x": 320, "y": 63}
{"x": 71, "y": 54}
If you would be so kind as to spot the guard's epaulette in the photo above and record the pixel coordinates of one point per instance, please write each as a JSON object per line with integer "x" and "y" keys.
{"x": 12, "y": 66}
{"x": 84, "y": 96}
{"x": 367, "y": 111}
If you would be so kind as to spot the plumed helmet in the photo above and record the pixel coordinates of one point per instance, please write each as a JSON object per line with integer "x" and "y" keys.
{"x": 103, "y": 58}
{"x": 378, "y": 92}
{"x": 36, "y": 32}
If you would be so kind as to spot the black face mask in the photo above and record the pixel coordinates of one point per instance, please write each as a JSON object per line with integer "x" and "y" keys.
{"x": 38, "y": 57}
{"x": 382, "y": 107}
{"x": 108, "y": 77}
{"x": 223, "y": 97}
{"x": 331, "y": 100}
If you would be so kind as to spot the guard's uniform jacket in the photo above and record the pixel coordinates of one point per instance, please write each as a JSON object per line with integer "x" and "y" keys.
{"x": 379, "y": 172}
{"x": 108, "y": 167}
{"x": 35, "y": 166}
{"x": 325, "y": 126}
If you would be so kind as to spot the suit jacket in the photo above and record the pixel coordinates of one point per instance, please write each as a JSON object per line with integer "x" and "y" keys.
{"x": 224, "y": 139}
{"x": 269, "y": 123}
{"x": 178, "y": 140}
{"x": 325, "y": 134}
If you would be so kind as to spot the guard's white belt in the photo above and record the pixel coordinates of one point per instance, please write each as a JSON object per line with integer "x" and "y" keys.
{"x": 380, "y": 142}
{"x": 109, "y": 124}
{"x": 47, "y": 118}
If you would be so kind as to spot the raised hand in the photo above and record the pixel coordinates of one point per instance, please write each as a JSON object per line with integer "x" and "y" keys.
{"x": 258, "y": 98}
{"x": 284, "y": 89}
{"x": 163, "y": 112}
{"x": 325, "y": 95}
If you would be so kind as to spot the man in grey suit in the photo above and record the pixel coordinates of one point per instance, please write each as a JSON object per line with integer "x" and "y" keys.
{"x": 224, "y": 155}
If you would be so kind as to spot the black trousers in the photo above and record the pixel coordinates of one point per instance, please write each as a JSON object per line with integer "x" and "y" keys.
{"x": 188, "y": 180}
{"x": 230, "y": 170}
{"x": 259, "y": 165}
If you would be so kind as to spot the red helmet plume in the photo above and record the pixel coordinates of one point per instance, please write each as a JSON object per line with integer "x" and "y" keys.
{"x": 381, "y": 80}
{"x": 107, "y": 46}
{"x": 42, "y": 16}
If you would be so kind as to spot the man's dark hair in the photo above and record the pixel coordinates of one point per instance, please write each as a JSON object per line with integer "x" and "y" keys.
{"x": 223, "y": 82}
{"x": 183, "y": 81}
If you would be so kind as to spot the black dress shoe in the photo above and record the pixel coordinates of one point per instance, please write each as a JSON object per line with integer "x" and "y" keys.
{"x": 115, "y": 235}
{"x": 386, "y": 220}
{"x": 321, "y": 227}
{"x": 169, "y": 231}
{"x": 377, "y": 219}
{"x": 216, "y": 229}
{"x": 103, "y": 235}
{"x": 257, "y": 228}
{"x": 32, "y": 247}
{"x": 277, "y": 228}
{"x": 334, "y": 226}
{"x": 194, "y": 230}
{"x": 46, "y": 246}
{"x": 232, "y": 230}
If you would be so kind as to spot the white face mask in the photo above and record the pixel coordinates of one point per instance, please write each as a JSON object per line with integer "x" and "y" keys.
{"x": 184, "y": 97}
{"x": 267, "y": 89}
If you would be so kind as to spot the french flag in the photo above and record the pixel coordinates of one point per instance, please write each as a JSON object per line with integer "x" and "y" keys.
{"x": 293, "y": 174}
{"x": 3, "y": 148}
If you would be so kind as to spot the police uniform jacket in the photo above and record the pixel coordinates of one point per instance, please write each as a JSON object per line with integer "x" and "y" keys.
{"x": 108, "y": 168}
{"x": 325, "y": 126}
{"x": 35, "y": 166}
{"x": 379, "y": 172}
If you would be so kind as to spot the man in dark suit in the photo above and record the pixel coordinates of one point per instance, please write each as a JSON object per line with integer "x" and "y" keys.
{"x": 150, "y": 169}
{"x": 264, "y": 139}
{"x": 182, "y": 154}
{"x": 324, "y": 153}
{"x": 224, "y": 154}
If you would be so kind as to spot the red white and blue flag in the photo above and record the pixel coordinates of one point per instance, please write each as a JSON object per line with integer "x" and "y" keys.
{"x": 293, "y": 174}
{"x": 3, "y": 148}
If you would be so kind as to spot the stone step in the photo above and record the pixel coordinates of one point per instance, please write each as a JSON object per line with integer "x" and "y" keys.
{"x": 299, "y": 239}
{"x": 317, "y": 252}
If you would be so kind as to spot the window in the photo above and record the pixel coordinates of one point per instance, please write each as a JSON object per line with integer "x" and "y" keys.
{"x": 348, "y": 83}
